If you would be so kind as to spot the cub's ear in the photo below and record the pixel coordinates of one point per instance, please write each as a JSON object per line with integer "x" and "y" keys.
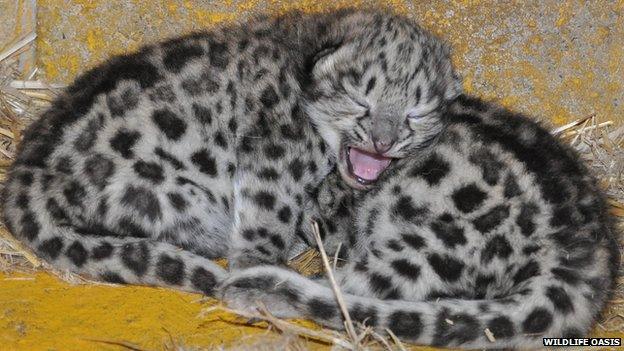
{"x": 324, "y": 58}
{"x": 452, "y": 80}
{"x": 325, "y": 51}
{"x": 454, "y": 88}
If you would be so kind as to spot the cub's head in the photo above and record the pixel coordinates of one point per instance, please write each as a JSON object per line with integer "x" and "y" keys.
{"x": 377, "y": 92}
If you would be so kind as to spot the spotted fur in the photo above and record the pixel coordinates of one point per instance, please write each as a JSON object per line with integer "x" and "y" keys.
{"x": 496, "y": 227}
{"x": 214, "y": 144}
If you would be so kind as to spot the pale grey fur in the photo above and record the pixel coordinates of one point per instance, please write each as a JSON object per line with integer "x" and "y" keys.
{"x": 495, "y": 229}
{"x": 213, "y": 144}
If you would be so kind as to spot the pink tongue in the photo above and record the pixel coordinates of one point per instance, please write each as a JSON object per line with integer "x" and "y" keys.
{"x": 367, "y": 166}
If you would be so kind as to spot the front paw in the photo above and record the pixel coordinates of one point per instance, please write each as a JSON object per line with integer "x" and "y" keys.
{"x": 243, "y": 260}
{"x": 247, "y": 290}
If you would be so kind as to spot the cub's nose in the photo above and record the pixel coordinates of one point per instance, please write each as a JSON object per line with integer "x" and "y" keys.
{"x": 383, "y": 145}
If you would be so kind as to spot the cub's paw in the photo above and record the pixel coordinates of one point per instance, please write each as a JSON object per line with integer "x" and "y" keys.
{"x": 242, "y": 260}
{"x": 271, "y": 287}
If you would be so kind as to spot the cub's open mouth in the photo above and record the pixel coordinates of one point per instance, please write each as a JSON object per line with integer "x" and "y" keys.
{"x": 365, "y": 167}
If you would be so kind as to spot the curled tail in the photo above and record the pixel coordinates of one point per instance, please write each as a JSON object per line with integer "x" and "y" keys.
{"x": 34, "y": 217}
{"x": 518, "y": 320}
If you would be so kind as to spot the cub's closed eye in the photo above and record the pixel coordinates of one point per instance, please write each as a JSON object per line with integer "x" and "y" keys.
{"x": 423, "y": 110}
{"x": 366, "y": 113}
{"x": 417, "y": 114}
{"x": 362, "y": 104}
{"x": 354, "y": 95}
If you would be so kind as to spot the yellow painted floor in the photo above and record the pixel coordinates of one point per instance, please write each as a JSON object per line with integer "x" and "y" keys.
{"x": 40, "y": 312}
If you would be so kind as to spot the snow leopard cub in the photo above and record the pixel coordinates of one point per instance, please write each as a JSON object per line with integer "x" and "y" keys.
{"x": 213, "y": 144}
{"x": 493, "y": 236}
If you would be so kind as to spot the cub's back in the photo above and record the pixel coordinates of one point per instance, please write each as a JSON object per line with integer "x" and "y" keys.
{"x": 495, "y": 201}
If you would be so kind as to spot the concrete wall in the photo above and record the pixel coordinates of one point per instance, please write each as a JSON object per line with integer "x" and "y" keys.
{"x": 558, "y": 60}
